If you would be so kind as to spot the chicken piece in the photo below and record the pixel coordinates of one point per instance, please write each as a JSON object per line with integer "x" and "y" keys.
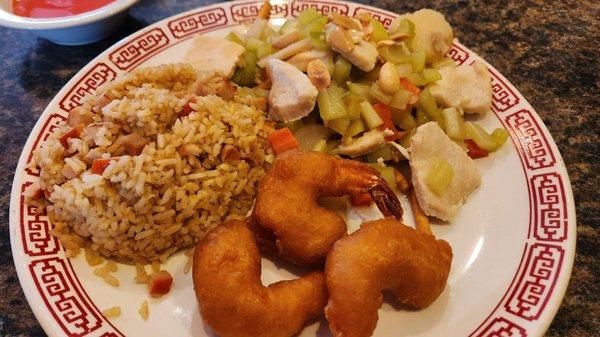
{"x": 432, "y": 33}
{"x": 292, "y": 95}
{"x": 364, "y": 144}
{"x": 428, "y": 145}
{"x": 214, "y": 56}
{"x": 302, "y": 60}
{"x": 468, "y": 87}
{"x": 363, "y": 54}
{"x": 132, "y": 144}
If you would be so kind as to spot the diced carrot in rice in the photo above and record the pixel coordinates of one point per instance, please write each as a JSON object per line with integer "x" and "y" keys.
{"x": 160, "y": 283}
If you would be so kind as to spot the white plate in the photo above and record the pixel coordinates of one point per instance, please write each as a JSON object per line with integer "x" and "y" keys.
{"x": 513, "y": 242}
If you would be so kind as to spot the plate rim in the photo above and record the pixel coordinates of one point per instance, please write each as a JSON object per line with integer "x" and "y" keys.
{"x": 45, "y": 318}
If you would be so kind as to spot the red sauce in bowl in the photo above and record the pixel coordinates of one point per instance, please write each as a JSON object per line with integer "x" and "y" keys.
{"x": 55, "y": 8}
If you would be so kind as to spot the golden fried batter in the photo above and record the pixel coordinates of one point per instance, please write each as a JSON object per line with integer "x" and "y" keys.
{"x": 232, "y": 299}
{"x": 382, "y": 255}
{"x": 286, "y": 202}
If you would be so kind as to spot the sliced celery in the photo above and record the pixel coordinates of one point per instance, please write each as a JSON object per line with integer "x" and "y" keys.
{"x": 341, "y": 69}
{"x": 268, "y": 33}
{"x": 253, "y": 44}
{"x": 317, "y": 25}
{"x": 431, "y": 75}
{"x": 318, "y": 40}
{"x": 378, "y": 94}
{"x": 355, "y": 127}
{"x": 422, "y": 116}
{"x": 418, "y": 60}
{"x": 248, "y": 72}
{"x": 387, "y": 173}
{"x": 405, "y": 121}
{"x": 427, "y": 102}
{"x": 404, "y": 69}
{"x": 307, "y": 15}
{"x": 480, "y": 137}
{"x": 395, "y": 54}
{"x": 339, "y": 125}
{"x": 383, "y": 152}
{"x": 352, "y": 102}
{"x": 439, "y": 176}
{"x": 444, "y": 62}
{"x": 288, "y": 26}
{"x": 453, "y": 124}
{"x": 264, "y": 51}
{"x": 416, "y": 79}
{"x": 359, "y": 89}
{"x": 234, "y": 38}
{"x": 370, "y": 116}
{"x": 499, "y": 135}
{"x": 320, "y": 146}
{"x": 400, "y": 100}
{"x": 379, "y": 32}
{"x": 405, "y": 27}
{"x": 331, "y": 104}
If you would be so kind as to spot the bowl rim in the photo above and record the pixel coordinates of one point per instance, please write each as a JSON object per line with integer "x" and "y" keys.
{"x": 11, "y": 20}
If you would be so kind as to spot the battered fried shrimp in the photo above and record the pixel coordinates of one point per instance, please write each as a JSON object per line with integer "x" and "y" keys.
{"x": 234, "y": 303}
{"x": 286, "y": 202}
{"x": 382, "y": 255}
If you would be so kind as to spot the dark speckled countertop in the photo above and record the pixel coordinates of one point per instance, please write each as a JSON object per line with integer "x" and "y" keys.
{"x": 547, "y": 49}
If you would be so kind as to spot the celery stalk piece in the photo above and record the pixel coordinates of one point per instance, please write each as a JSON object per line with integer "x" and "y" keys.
{"x": 307, "y": 15}
{"x": 405, "y": 122}
{"x": 264, "y": 51}
{"x": 359, "y": 89}
{"x": 318, "y": 40}
{"x": 331, "y": 103}
{"x": 439, "y": 176}
{"x": 383, "y": 152}
{"x": 417, "y": 79}
{"x": 245, "y": 76}
{"x": 288, "y": 26}
{"x": 404, "y": 69}
{"x": 427, "y": 102}
{"x": 355, "y": 128}
{"x": 352, "y": 102}
{"x": 431, "y": 75}
{"x": 253, "y": 44}
{"x": 387, "y": 173}
{"x": 317, "y": 25}
{"x": 379, "y": 32}
{"x": 400, "y": 100}
{"x": 444, "y": 62}
{"x": 422, "y": 116}
{"x": 453, "y": 124}
{"x": 378, "y": 94}
{"x": 395, "y": 54}
{"x": 341, "y": 69}
{"x": 480, "y": 136}
{"x": 268, "y": 33}
{"x": 339, "y": 125}
{"x": 320, "y": 146}
{"x": 418, "y": 61}
{"x": 406, "y": 27}
{"x": 370, "y": 116}
{"x": 234, "y": 38}
{"x": 499, "y": 135}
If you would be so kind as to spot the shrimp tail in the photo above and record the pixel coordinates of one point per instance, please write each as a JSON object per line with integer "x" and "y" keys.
{"x": 386, "y": 200}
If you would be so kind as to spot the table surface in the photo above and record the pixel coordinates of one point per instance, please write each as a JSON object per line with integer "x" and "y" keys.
{"x": 547, "y": 49}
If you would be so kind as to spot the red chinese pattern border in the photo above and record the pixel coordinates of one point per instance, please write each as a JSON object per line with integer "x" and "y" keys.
{"x": 198, "y": 22}
{"x": 139, "y": 49}
{"x": 35, "y": 231}
{"x": 534, "y": 147}
{"x": 95, "y": 77}
{"x": 538, "y": 268}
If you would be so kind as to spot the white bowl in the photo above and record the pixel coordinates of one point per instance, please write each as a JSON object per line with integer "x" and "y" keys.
{"x": 73, "y": 30}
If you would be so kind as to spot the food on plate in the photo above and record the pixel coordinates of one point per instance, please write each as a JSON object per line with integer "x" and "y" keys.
{"x": 112, "y": 312}
{"x": 144, "y": 310}
{"x": 159, "y": 283}
{"x": 443, "y": 175}
{"x": 234, "y": 303}
{"x": 292, "y": 95}
{"x": 376, "y": 85}
{"x": 286, "y": 201}
{"x": 467, "y": 87}
{"x": 152, "y": 162}
{"x": 382, "y": 255}
{"x": 214, "y": 56}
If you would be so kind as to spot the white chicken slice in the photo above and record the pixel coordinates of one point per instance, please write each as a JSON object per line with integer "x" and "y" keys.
{"x": 466, "y": 87}
{"x": 428, "y": 145}
{"x": 292, "y": 95}
{"x": 432, "y": 33}
{"x": 363, "y": 54}
{"x": 214, "y": 56}
{"x": 364, "y": 144}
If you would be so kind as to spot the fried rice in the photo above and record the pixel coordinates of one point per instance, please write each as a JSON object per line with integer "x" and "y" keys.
{"x": 194, "y": 172}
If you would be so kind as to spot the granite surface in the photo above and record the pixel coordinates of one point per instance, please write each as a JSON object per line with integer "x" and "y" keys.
{"x": 547, "y": 49}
